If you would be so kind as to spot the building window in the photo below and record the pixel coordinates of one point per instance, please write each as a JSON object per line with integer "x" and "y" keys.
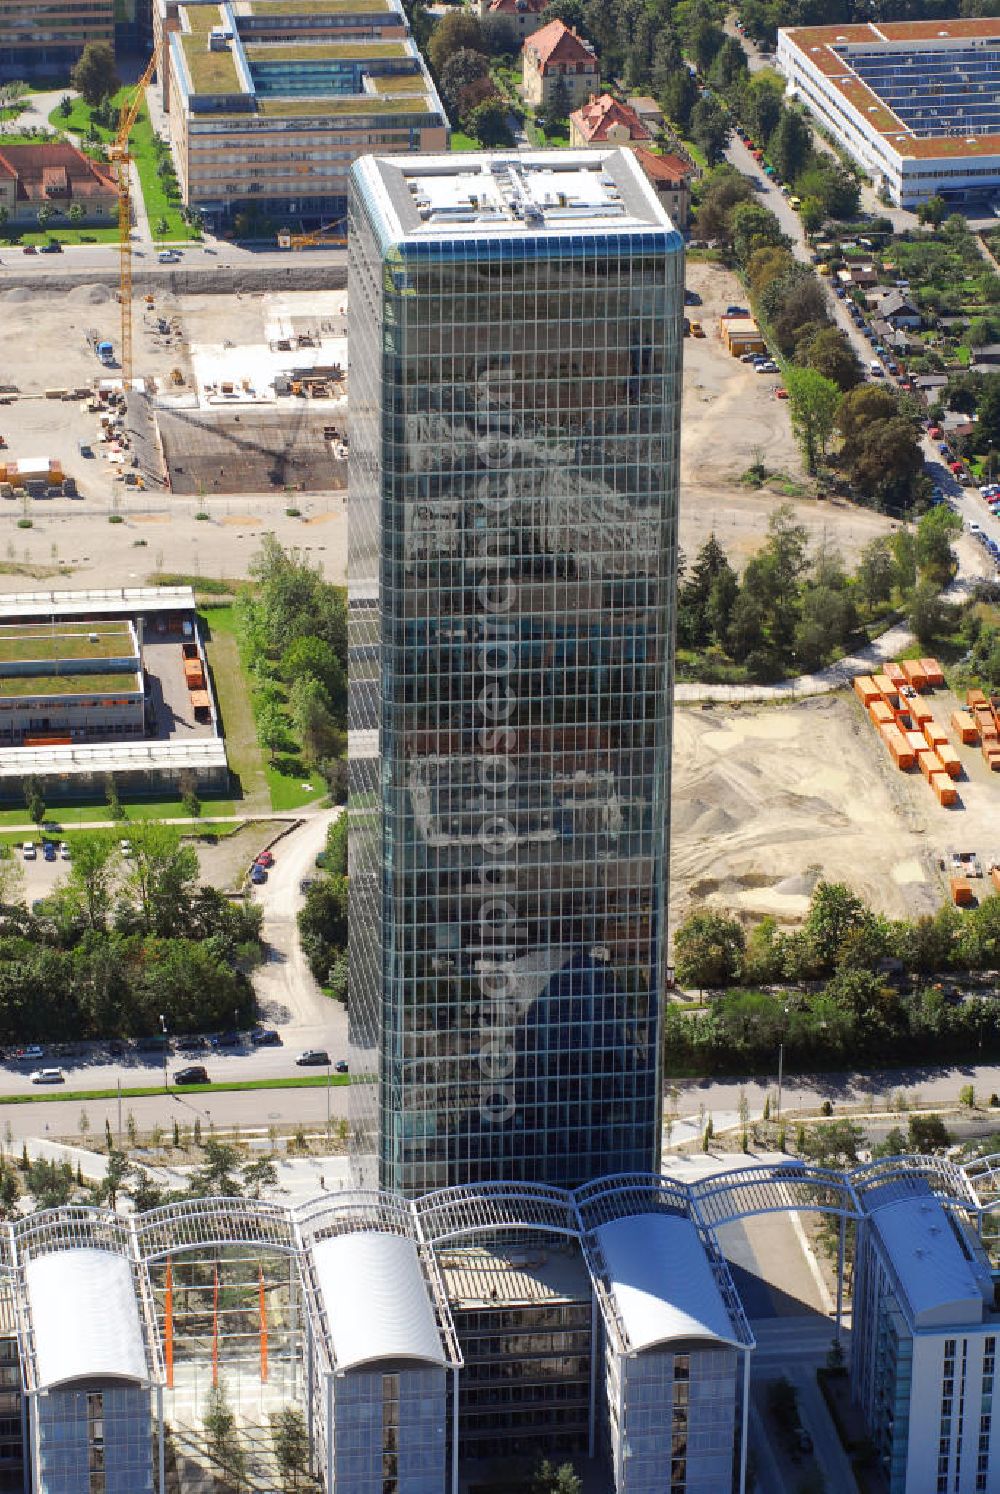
{"x": 95, "y": 1442}
{"x": 390, "y": 1434}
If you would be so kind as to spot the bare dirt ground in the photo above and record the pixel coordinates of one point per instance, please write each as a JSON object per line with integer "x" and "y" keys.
{"x": 766, "y": 800}
{"x": 729, "y": 416}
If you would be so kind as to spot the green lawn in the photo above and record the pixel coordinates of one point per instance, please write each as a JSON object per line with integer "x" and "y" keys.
{"x": 142, "y": 145}
{"x": 68, "y": 815}
{"x": 460, "y": 141}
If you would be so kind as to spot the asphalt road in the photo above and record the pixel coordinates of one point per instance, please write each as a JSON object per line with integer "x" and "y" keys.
{"x": 211, "y": 256}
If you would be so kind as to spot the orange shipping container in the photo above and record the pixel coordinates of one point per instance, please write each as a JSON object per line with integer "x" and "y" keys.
{"x": 932, "y": 669}
{"x": 865, "y": 688}
{"x": 903, "y": 754}
{"x": 929, "y": 762}
{"x": 921, "y": 712}
{"x": 961, "y": 891}
{"x": 914, "y": 674}
{"x": 916, "y": 740}
{"x": 887, "y": 689}
{"x": 895, "y": 673}
{"x": 966, "y": 729}
{"x": 975, "y": 697}
{"x": 881, "y": 713}
{"x": 935, "y": 734}
{"x": 950, "y": 759}
{"x": 944, "y": 788}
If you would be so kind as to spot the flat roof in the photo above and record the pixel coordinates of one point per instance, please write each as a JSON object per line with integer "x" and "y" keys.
{"x": 377, "y": 1303}
{"x": 940, "y": 1282}
{"x": 829, "y": 50}
{"x": 662, "y": 1282}
{"x": 97, "y": 683}
{"x": 479, "y": 1275}
{"x": 486, "y": 194}
{"x": 24, "y": 642}
{"x": 90, "y": 758}
{"x": 85, "y": 1317}
{"x": 123, "y": 601}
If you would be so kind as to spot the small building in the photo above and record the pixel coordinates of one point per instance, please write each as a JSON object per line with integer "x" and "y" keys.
{"x": 605, "y": 121}
{"x": 58, "y": 176}
{"x": 553, "y": 53}
{"x": 70, "y": 682}
{"x": 522, "y": 17}
{"x": 46, "y": 40}
{"x": 741, "y": 334}
{"x": 648, "y": 111}
{"x": 671, "y": 181}
{"x": 989, "y": 354}
{"x": 863, "y": 275}
{"x": 924, "y": 1343}
{"x": 897, "y": 308}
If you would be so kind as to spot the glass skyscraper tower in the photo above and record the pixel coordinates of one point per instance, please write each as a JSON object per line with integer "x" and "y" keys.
{"x": 515, "y": 344}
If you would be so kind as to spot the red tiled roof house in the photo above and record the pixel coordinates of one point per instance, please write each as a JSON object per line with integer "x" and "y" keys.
{"x": 521, "y": 17}
{"x": 56, "y": 174}
{"x": 671, "y": 181}
{"x": 605, "y": 121}
{"x": 557, "y": 52}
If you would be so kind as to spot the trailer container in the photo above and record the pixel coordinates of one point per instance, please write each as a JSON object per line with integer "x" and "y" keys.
{"x": 965, "y": 728}
{"x": 944, "y": 789}
{"x": 935, "y": 674}
{"x": 914, "y": 674}
{"x": 887, "y": 689}
{"x": 929, "y": 762}
{"x": 900, "y": 750}
{"x": 894, "y": 673}
{"x": 866, "y": 689}
{"x": 881, "y": 713}
{"x": 975, "y": 697}
{"x": 950, "y": 760}
{"x": 935, "y": 734}
{"x": 921, "y": 712}
{"x": 961, "y": 891}
{"x": 916, "y": 740}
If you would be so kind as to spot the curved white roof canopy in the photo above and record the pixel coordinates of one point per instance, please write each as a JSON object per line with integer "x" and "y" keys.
{"x": 85, "y": 1317}
{"x": 376, "y": 1299}
{"x": 662, "y": 1282}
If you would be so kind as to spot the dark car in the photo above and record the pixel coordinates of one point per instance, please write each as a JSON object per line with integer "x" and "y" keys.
{"x": 313, "y": 1056}
{"x": 227, "y": 1040}
{"x": 340, "y": 1066}
{"x": 52, "y": 247}
{"x": 48, "y": 850}
{"x": 305, "y": 884}
{"x": 257, "y": 874}
{"x": 265, "y": 1037}
{"x": 195, "y": 1073}
{"x": 117, "y": 1048}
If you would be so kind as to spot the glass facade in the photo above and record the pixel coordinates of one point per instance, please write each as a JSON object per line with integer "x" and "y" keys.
{"x": 514, "y": 405}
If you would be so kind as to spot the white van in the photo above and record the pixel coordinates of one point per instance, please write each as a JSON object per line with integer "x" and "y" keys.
{"x": 168, "y": 256}
{"x": 875, "y": 368}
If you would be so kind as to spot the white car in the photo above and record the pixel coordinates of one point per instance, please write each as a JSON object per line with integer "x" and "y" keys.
{"x": 48, "y": 1076}
{"x": 64, "y": 851}
{"x": 974, "y": 529}
{"x": 125, "y": 846}
{"x": 29, "y": 851}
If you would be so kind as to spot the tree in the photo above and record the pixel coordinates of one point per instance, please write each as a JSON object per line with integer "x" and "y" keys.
{"x": 876, "y": 572}
{"x": 885, "y": 460}
{"x": 77, "y": 213}
{"x": 34, "y": 798}
{"x": 927, "y": 614}
{"x": 95, "y": 75}
{"x": 456, "y": 32}
{"x": 928, "y": 1133}
{"x": 829, "y": 353}
{"x": 92, "y": 871}
{"x": 162, "y": 877}
{"x": 790, "y": 145}
{"x": 224, "y": 1446}
{"x": 708, "y": 949}
{"x": 721, "y": 190}
{"x": 548, "y": 1479}
{"x": 814, "y": 401}
{"x": 314, "y": 656}
{"x": 218, "y": 1175}
{"x": 312, "y": 717}
{"x": 753, "y": 227}
{"x": 935, "y": 555}
{"x": 932, "y": 211}
{"x": 322, "y": 924}
{"x": 709, "y": 127}
{"x": 291, "y": 1444}
{"x": 45, "y": 214}
{"x": 813, "y": 214}
{"x": 834, "y": 911}
{"x": 272, "y": 729}
{"x": 11, "y": 881}
{"x": 488, "y": 122}
{"x": 570, "y": 12}
{"x": 698, "y": 616}
{"x": 462, "y": 67}
{"x": 553, "y": 114}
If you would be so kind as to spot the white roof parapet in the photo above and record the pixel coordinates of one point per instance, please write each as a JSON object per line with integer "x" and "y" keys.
{"x": 660, "y": 1279}
{"x": 377, "y": 1303}
{"x": 101, "y": 757}
{"x": 85, "y": 1318}
{"x": 121, "y": 599}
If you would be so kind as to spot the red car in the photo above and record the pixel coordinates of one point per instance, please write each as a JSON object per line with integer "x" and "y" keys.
{"x": 265, "y": 859}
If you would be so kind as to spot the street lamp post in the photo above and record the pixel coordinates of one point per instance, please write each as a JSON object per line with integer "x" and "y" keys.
{"x": 166, "y": 1045}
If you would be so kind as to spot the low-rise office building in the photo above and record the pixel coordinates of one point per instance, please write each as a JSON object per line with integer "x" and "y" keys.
{"x": 69, "y": 682}
{"x": 916, "y": 103}
{"x": 924, "y": 1343}
{"x": 44, "y": 38}
{"x": 270, "y": 101}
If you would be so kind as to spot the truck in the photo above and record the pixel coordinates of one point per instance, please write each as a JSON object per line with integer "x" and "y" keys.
{"x": 106, "y": 353}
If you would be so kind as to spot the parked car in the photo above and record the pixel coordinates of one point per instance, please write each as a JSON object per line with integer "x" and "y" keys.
{"x": 265, "y": 1037}
{"x": 230, "y": 1039}
{"x": 340, "y": 1066}
{"x": 48, "y": 1076}
{"x": 29, "y": 249}
{"x": 257, "y": 874}
{"x": 265, "y": 858}
{"x": 48, "y": 850}
{"x": 125, "y": 846}
{"x": 28, "y": 851}
{"x": 313, "y": 1057}
{"x": 33, "y": 1050}
{"x": 64, "y": 851}
{"x": 195, "y": 1073}
{"x": 305, "y": 884}
{"x": 53, "y": 246}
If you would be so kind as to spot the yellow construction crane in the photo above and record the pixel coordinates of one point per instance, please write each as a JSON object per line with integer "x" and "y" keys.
{"x": 332, "y": 234}
{"x": 121, "y": 163}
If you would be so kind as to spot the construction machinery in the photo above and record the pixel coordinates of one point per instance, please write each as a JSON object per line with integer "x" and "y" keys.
{"x": 330, "y": 235}
{"x": 121, "y": 164}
